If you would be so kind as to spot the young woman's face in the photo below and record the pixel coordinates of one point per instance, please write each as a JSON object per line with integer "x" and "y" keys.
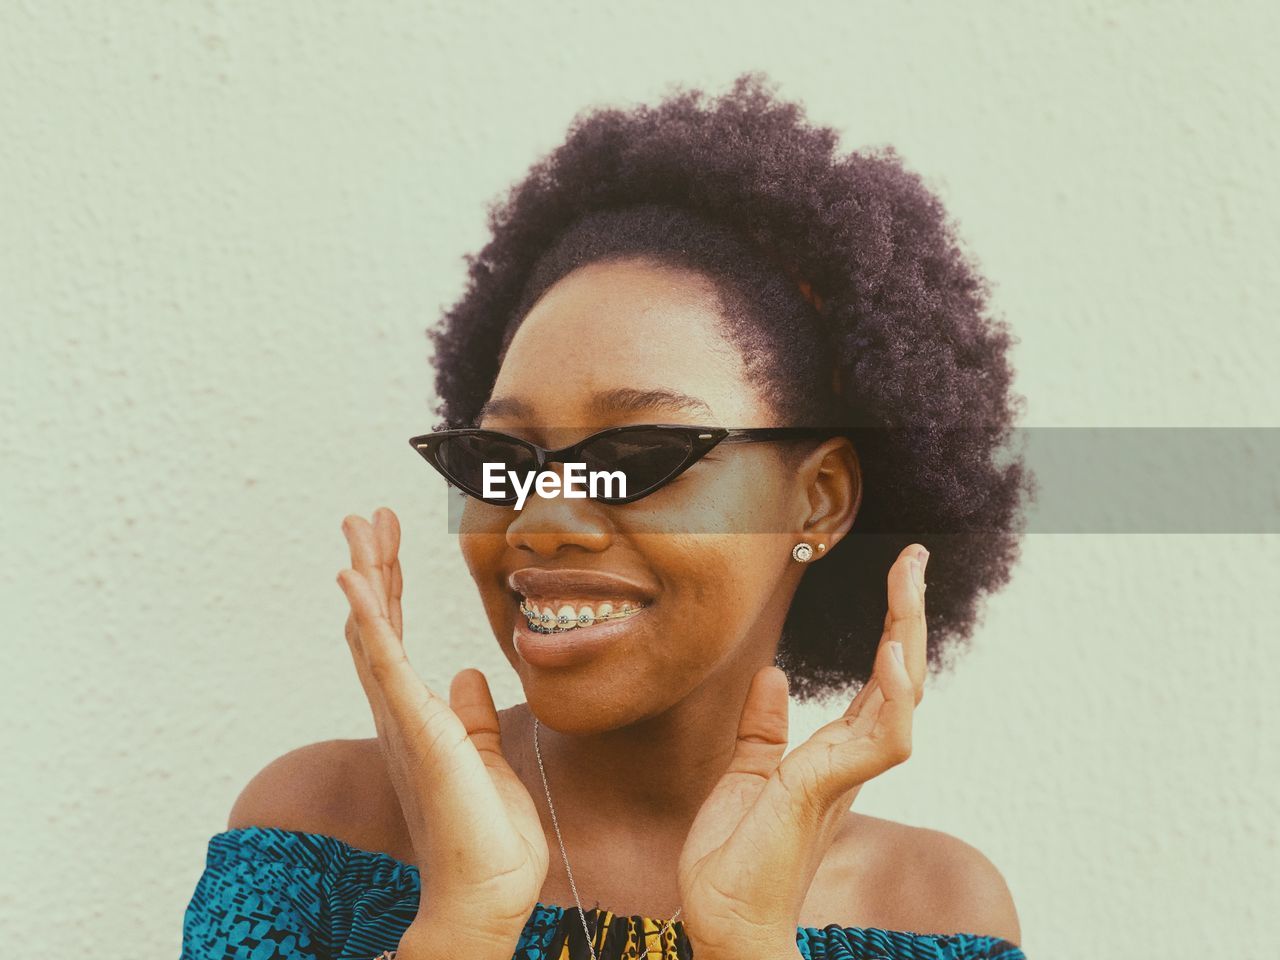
{"x": 612, "y": 345}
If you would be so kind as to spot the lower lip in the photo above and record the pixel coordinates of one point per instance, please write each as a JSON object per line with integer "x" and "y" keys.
{"x": 571, "y": 647}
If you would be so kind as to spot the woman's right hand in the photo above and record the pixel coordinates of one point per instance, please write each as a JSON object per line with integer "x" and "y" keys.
{"x": 477, "y": 838}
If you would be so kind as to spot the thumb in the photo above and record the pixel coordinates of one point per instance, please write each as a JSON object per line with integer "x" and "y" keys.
{"x": 471, "y": 701}
{"x": 762, "y": 727}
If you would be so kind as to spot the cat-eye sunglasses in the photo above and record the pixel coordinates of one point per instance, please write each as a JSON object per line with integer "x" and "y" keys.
{"x": 648, "y": 456}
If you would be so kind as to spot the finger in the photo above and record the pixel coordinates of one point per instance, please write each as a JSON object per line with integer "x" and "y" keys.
{"x": 364, "y": 555}
{"x": 905, "y": 620}
{"x": 402, "y": 691}
{"x": 892, "y": 731}
{"x": 396, "y": 585}
{"x": 762, "y": 726}
{"x": 381, "y": 539}
{"x": 471, "y": 699}
{"x": 869, "y": 696}
{"x": 367, "y": 683}
{"x": 880, "y": 736}
{"x": 898, "y": 616}
{"x": 377, "y": 703}
{"x": 387, "y": 529}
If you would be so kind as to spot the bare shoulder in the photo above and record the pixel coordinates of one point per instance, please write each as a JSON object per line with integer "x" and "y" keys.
{"x": 336, "y": 788}
{"x": 923, "y": 880}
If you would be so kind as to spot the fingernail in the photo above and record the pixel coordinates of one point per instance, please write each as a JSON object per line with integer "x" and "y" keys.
{"x": 917, "y": 573}
{"x": 896, "y": 649}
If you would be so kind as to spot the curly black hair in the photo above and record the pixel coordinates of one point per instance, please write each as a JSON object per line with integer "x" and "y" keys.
{"x": 843, "y": 282}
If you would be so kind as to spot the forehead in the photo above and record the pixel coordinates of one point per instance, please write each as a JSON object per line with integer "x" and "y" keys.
{"x": 628, "y": 328}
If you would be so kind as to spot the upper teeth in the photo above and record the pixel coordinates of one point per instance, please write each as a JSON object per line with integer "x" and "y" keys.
{"x": 566, "y": 615}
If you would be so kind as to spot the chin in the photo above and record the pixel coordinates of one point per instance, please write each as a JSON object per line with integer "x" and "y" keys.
{"x": 578, "y": 709}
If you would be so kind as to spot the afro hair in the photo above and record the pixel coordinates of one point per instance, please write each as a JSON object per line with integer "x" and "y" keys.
{"x": 843, "y": 282}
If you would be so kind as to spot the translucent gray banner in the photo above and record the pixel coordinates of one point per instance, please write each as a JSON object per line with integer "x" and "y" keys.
{"x": 1078, "y": 480}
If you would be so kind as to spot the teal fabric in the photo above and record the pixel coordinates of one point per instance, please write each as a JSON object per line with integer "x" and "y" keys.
{"x": 273, "y": 894}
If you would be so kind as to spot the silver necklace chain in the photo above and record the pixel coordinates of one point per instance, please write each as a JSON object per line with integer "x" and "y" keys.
{"x": 573, "y": 886}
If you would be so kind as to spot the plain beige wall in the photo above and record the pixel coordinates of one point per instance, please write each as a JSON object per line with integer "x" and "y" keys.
{"x": 225, "y": 225}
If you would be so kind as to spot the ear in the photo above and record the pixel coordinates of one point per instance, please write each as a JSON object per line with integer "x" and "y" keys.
{"x": 832, "y": 478}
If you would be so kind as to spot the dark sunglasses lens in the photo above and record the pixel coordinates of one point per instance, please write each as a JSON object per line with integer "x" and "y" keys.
{"x": 463, "y": 458}
{"x": 646, "y": 458}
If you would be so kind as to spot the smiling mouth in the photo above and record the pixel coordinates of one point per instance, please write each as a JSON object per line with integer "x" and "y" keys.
{"x": 561, "y": 616}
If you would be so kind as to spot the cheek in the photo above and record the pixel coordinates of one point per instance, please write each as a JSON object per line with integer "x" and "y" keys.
{"x": 479, "y": 518}
{"x": 717, "y": 586}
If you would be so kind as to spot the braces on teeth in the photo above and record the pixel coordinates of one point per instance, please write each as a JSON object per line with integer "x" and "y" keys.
{"x": 547, "y": 622}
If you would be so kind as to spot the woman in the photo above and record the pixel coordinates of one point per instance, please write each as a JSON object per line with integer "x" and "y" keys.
{"x": 660, "y": 291}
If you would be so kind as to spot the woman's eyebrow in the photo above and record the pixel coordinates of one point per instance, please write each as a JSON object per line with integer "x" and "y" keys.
{"x": 628, "y": 399}
{"x": 502, "y": 407}
{"x": 615, "y": 400}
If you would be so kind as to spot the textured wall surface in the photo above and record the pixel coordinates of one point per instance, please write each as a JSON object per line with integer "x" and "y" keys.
{"x": 224, "y": 226}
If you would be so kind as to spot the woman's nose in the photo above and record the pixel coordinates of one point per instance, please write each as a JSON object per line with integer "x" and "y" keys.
{"x": 546, "y": 525}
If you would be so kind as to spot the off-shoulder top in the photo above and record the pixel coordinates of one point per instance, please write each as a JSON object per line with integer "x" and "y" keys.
{"x": 273, "y": 894}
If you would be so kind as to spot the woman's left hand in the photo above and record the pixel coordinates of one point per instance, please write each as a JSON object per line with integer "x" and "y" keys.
{"x": 759, "y": 837}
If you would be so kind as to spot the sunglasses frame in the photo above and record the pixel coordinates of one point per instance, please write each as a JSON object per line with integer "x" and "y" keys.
{"x": 703, "y": 441}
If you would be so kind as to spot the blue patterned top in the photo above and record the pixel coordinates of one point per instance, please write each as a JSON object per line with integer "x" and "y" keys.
{"x": 273, "y": 894}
